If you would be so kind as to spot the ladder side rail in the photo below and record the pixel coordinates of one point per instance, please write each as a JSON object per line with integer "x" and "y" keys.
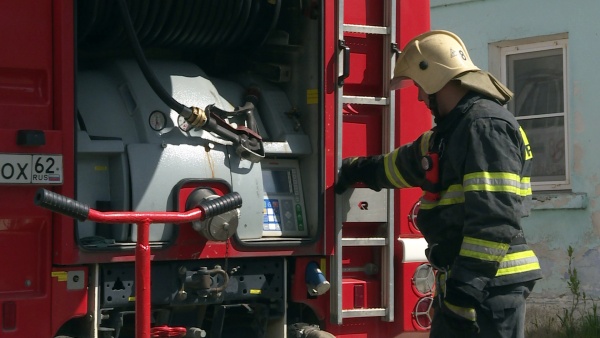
{"x": 388, "y": 145}
{"x": 336, "y": 261}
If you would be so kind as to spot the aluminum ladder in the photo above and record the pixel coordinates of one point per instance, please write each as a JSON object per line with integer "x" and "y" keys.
{"x": 386, "y": 242}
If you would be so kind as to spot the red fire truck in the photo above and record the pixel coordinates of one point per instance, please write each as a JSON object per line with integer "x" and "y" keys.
{"x": 143, "y": 108}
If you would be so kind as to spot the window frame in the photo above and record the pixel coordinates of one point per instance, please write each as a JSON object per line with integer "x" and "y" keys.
{"x": 499, "y": 53}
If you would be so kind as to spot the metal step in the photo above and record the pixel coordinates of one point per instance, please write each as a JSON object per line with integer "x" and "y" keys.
{"x": 373, "y": 100}
{"x": 359, "y": 313}
{"x": 366, "y": 29}
{"x": 371, "y": 241}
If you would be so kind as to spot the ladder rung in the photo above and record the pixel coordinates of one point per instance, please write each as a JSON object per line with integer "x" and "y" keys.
{"x": 371, "y": 241}
{"x": 374, "y": 100}
{"x": 366, "y": 29}
{"x": 373, "y": 312}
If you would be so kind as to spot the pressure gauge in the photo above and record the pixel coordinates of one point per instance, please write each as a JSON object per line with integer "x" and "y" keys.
{"x": 157, "y": 120}
{"x": 183, "y": 124}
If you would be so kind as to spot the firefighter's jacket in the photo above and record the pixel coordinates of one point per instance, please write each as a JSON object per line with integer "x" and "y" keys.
{"x": 483, "y": 190}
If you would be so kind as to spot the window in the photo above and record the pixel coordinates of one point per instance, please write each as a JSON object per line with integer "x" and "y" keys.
{"x": 536, "y": 73}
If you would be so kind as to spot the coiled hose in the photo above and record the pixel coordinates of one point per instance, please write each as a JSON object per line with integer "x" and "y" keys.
{"x": 178, "y": 24}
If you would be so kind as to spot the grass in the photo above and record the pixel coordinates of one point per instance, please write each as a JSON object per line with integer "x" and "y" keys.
{"x": 579, "y": 320}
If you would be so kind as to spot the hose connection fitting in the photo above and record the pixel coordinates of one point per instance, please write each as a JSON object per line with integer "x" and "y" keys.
{"x": 197, "y": 118}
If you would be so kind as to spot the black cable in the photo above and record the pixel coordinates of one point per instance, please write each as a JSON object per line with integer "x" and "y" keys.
{"x": 143, "y": 64}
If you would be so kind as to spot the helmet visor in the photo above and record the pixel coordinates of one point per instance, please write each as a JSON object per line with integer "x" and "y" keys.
{"x": 400, "y": 82}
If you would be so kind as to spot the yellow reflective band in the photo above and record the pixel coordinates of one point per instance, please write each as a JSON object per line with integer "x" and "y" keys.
{"x": 453, "y": 195}
{"x": 498, "y": 188}
{"x": 483, "y": 250}
{"x": 391, "y": 171}
{"x": 485, "y": 243}
{"x": 464, "y": 312}
{"x": 491, "y": 175}
{"x": 480, "y": 255}
{"x": 518, "y": 269}
{"x": 427, "y": 204}
{"x": 518, "y": 262}
{"x": 425, "y": 142}
{"x": 518, "y": 255}
{"x": 497, "y": 182}
{"x": 526, "y": 186}
{"x": 528, "y": 153}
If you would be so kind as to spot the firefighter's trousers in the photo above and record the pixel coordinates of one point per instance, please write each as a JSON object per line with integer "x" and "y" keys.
{"x": 500, "y": 315}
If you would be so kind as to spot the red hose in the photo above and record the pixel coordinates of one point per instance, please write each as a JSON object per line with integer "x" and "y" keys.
{"x": 167, "y": 332}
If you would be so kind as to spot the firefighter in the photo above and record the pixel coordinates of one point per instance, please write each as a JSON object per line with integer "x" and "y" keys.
{"x": 474, "y": 169}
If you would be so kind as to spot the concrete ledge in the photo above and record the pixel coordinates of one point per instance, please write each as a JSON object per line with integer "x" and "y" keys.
{"x": 440, "y": 3}
{"x": 560, "y": 200}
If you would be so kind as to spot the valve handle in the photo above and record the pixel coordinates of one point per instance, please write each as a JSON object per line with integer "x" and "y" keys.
{"x": 61, "y": 204}
{"x": 222, "y": 204}
{"x": 80, "y": 211}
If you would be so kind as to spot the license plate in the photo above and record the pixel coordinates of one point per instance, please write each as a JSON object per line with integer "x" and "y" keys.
{"x": 31, "y": 169}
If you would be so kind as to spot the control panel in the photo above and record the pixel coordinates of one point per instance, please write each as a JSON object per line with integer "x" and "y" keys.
{"x": 284, "y": 213}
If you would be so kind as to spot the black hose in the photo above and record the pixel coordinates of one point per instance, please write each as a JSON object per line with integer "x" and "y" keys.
{"x": 156, "y": 26}
{"x": 220, "y": 205}
{"x": 241, "y": 25}
{"x": 143, "y": 64}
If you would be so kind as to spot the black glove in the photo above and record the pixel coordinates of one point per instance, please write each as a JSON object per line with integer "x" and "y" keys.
{"x": 458, "y": 309}
{"x": 347, "y": 175}
{"x": 358, "y": 169}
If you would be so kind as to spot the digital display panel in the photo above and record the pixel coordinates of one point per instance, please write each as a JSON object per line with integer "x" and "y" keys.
{"x": 277, "y": 181}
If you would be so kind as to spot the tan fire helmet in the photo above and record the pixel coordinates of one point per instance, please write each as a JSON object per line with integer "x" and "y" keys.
{"x": 434, "y": 58}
